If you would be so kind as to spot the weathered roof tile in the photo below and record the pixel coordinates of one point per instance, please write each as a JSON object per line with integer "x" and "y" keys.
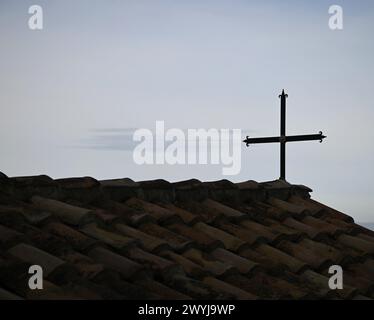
{"x": 357, "y": 243}
{"x": 149, "y": 242}
{"x": 214, "y": 266}
{"x": 120, "y": 239}
{"x": 230, "y": 242}
{"x": 161, "y": 214}
{"x": 126, "y": 267}
{"x": 74, "y": 237}
{"x": 238, "y": 293}
{"x": 292, "y": 263}
{"x": 187, "y": 217}
{"x": 36, "y": 256}
{"x": 112, "y": 239}
{"x": 9, "y": 237}
{"x": 70, "y": 214}
{"x": 244, "y": 266}
{"x": 203, "y": 240}
{"x": 177, "y": 241}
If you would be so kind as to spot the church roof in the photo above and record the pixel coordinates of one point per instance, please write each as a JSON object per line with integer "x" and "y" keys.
{"x": 121, "y": 239}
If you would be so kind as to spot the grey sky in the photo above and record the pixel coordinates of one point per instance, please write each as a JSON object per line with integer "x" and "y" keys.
{"x": 99, "y": 65}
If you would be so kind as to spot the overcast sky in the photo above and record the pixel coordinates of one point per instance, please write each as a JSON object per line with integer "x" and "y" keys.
{"x": 72, "y": 93}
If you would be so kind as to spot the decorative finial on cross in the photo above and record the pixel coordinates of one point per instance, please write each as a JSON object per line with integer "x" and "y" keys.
{"x": 283, "y": 94}
{"x": 283, "y": 138}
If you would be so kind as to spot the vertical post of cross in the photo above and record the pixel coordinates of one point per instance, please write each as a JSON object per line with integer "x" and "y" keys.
{"x": 283, "y": 97}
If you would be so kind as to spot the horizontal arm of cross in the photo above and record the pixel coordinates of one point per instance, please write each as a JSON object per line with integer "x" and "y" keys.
{"x": 305, "y": 137}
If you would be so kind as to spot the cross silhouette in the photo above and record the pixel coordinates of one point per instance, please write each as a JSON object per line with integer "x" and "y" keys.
{"x": 282, "y": 139}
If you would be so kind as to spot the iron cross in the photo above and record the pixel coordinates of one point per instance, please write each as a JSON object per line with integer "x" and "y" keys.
{"x": 282, "y": 139}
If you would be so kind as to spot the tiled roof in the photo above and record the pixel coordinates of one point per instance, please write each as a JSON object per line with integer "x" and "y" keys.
{"x": 120, "y": 239}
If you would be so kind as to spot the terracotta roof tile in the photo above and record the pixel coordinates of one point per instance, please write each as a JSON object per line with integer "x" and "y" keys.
{"x": 222, "y": 286}
{"x": 268, "y": 287}
{"x": 288, "y": 232}
{"x": 126, "y": 267}
{"x": 243, "y": 265}
{"x": 363, "y": 230}
{"x": 279, "y": 189}
{"x": 128, "y": 214}
{"x": 206, "y": 215}
{"x": 319, "y": 281}
{"x": 324, "y": 250}
{"x": 190, "y": 268}
{"x": 74, "y": 237}
{"x": 35, "y": 216}
{"x": 251, "y": 190}
{"x": 322, "y": 225}
{"x": 226, "y": 211}
{"x": 265, "y": 262}
{"x": 34, "y": 255}
{"x": 83, "y": 189}
{"x": 368, "y": 268}
{"x": 187, "y": 217}
{"x": 70, "y": 214}
{"x": 34, "y": 185}
{"x": 121, "y": 189}
{"x": 112, "y": 239}
{"x": 155, "y": 263}
{"x": 316, "y": 282}
{"x": 86, "y": 267}
{"x": 163, "y": 291}
{"x": 105, "y": 217}
{"x": 6, "y": 295}
{"x": 190, "y": 190}
{"x": 176, "y": 241}
{"x": 264, "y": 231}
{"x": 12, "y": 217}
{"x": 149, "y": 242}
{"x": 268, "y": 210}
{"x": 295, "y": 209}
{"x": 311, "y": 231}
{"x": 332, "y": 212}
{"x": 112, "y": 286}
{"x": 195, "y": 288}
{"x": 206, "y": 261}
{"x": 348, "y": 228}
{"x": 119, "y": 183}
{"x": 47, "y": 241}
{"x": 312, "y": 208}
{"x": 230, "y": 242}
{"x": 78, "y": 183}
{"x": 365, "y": 237}
{"x": 14, "y": 275}
{"x": 52, "y": 291}
{"x": 291, "y": 262}
{"x": 8, "y": 237}
{"x": 157, "y": 190}
{"x": 3, "y": 176}
{"x": 120, "y": 239}
{"x": 162, "y": 215}
{"x": 357, "y": 243}
{"x": 366, "y": 286}
{"x": 303, "y": 253}
{"x": 251, "y": 238}
{"x": 202, "y": 240}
